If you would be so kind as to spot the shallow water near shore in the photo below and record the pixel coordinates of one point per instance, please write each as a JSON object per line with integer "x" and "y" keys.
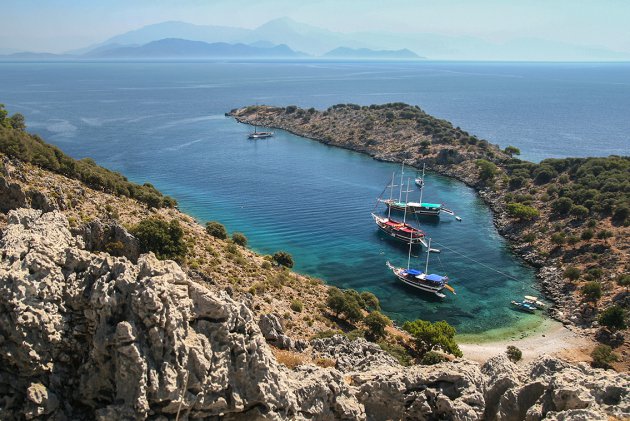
{"x": 164, "y": 123}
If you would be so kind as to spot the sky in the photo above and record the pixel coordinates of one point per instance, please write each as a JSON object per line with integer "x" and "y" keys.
{"x": 61, "y": 25}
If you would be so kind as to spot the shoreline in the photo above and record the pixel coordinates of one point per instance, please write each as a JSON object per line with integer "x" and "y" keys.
{"x": 549, "y": 338}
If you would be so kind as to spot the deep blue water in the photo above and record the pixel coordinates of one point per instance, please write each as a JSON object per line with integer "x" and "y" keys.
{"x": 164, "y": 123}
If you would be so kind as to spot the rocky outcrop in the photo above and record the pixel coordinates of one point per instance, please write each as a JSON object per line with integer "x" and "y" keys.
{"x": 110, "y": 237}
{"x": 88, "y": 335}
{"x": 273, "y": 331}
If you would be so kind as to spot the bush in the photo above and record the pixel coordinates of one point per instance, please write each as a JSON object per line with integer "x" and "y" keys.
{"x": 240, "y": 239}
{"x": 370, "y": 301}
{"x": 592, "y": 291}
{"x": 513, "y": 353}
{"x": 516, "y": 182}
{"x": 297, "y": 306}
{"x": 603, "y": 356}
{"x": 604, "y": 234}
{"x": 165, "y": 239}
{"x": 587, "y": 234}
{"x": 562, "y": 206}
{"x": 432, "y": 358}
{"x": 522, "y": 212}
{"x": 572, "y": 273}
{"x": 428, "y": 336}
{"x": 487, "y": 170}
{"x": 376, "y": 322}
{"x": 283, "y": 258}
{"x": 624, "y": 281}
{"x": 216, "y": 229}
{"x": 613, "y": 317}
{"x": 621, "y": 214}
{"x": 397, "y": 351}
{"x": 344, "y": 303}
{"x": 512, "y": 150}
{"x": 558, "y": 238}
{"x": 544, "y": 174}
{"x": 579, "y": 211}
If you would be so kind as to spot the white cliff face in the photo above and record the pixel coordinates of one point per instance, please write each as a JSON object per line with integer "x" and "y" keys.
{"x": 91, "y": 336}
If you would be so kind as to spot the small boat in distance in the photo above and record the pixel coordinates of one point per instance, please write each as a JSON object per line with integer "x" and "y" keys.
{"x": 534, "y": 301}
{"x": 420, "y": 180}
{"x": 259, "y": 135}
{"x": 523, "y": 306}
{"x": 422, "y": 280}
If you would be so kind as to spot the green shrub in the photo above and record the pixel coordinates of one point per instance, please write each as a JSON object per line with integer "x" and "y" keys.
{"x": 376, "y": 322}
{"x": 370, "y": 301}
{"x": 558, "y": 238}
{"x": 572, "y": 273}
{"x": 604, "y": 234}
{"x": 587, "y": 234}
{"x": 621, "y": 214}
{"x": 562, "y": 206}
{"x": 487, "y": 170}
{"x": 522, "y": 212}
{"x": 344, "y": 303}
{"x": 397, "y": 351}
{"x": 216, "y": 229}
{"x": 297, "y": 306}
{"x": 283, "y": 258}
{"x": 624, "y": 281}
{"x": 240, "y": 239}
{"x": 579, "y": 211}
{"x": 603, "y": 356}
{"x": 324, "y": 334}
{"x": 513, "y": 353}
{"x": 165, "y": 239}
{"x": 428, "y": 336}
{"x": 592, "y": 291}
{"x": 512, "y": 150}
{"x": 613, "y": 317}
{"x": 432, "y": 358}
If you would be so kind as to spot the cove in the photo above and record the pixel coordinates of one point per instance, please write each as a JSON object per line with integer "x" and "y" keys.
{"x": 314, "y": 201}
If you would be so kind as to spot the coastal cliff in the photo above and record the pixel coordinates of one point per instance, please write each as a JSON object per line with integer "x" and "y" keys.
{"x": 92, "y": 336}
{"x": 567, "y": 217}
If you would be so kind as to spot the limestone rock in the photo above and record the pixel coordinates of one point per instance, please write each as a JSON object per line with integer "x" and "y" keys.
{"x": 11, "y": 196}
{"x": 111, "y": 237}
{"x": 357, "y": 355}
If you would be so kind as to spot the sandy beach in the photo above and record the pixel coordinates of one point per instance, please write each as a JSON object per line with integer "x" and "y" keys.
{"x": 551, "y": 338}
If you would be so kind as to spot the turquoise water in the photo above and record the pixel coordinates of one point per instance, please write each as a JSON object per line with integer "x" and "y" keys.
{"x": 164, "y": 123}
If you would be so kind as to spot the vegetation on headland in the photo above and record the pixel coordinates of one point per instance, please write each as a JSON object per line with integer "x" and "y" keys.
{"x": 15, "y": 142}
{"x": 570, "y": 214}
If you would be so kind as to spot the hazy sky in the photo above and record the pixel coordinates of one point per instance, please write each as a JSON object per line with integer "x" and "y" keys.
{"x": 60, "y": 25}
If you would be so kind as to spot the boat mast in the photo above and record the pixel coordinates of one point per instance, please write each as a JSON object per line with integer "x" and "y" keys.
{"x": 426, "y": 267}
{"x": 422, "y": 185}
{"x": 402, "y": 172}
{"x": 409, "y": 256}
{"x": 406, "y": 200}
{"x": 391, "y": 195}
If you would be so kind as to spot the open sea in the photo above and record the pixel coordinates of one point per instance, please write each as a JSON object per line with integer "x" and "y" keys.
{"x": 163, "y": 122}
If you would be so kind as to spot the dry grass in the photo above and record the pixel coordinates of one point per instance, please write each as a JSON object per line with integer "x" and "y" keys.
{"x": 325, "y": 362}
{"x": 289, "y": 358}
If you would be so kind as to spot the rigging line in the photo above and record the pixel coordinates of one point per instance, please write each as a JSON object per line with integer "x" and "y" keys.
{"x": 480, "y": 263}
{"x": 379, "y": 196}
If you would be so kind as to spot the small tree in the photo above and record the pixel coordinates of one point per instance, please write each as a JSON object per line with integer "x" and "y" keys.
{"x": 592, "y": 291}
{"x": 603, "y": 356}
{"x": 579, "y": 211}
{"x": 572, "y": 273}
{"x": 376, "y": 322}
{"x": 613, "y": 317}
{"x": 344, "y": 303}
{"x": 283, "y": 258}
{"x": 370, "y": 301}
{"x": 487, "y": 170}
{"x": 522, "y": 212}
{"x": 239, "y": 238}
{"x": 624, "y": 281}
{"x": 165, "y": 239}
{"x": 216, "y": 229}
{"x": 428, "y": 336}
{"x": 17, "y": 122}
{"x": 513, "y": 353}
{"x": 562, "y": 206}
{"x": 512, "y": 150}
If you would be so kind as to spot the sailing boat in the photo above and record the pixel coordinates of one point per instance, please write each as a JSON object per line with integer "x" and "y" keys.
{"x": 397, "y": 229}
{"x": 259, "y": 135}
{"x": 420, "y": 207}
{"x": 422, "y": 279}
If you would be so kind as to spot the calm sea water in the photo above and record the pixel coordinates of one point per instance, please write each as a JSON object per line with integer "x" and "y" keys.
{"x": 164, "y": 123}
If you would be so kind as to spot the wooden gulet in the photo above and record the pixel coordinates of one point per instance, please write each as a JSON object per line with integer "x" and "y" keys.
{"x": 422, "y": 279}
{"x": 398, "y": 230}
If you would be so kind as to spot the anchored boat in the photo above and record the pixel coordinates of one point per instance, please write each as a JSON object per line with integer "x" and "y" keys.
{"x": 422, "y": 280}
{"x": 259, "y": 135}
{"x": 399, "y": 230}
{"x": 420, "y": 207}
{"x": 523, "y": 306}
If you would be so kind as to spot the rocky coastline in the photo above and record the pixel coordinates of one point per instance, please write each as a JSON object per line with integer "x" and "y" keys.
{"x": 86, "y": 335}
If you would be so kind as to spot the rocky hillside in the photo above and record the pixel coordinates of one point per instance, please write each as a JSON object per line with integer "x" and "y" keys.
{"x": 87, "y": 335}
{"x": 570, "y": 218}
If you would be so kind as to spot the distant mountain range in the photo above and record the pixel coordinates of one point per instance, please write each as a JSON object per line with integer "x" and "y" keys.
{"x": 366, "y": 53}
{"x": 284, "y": 37}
